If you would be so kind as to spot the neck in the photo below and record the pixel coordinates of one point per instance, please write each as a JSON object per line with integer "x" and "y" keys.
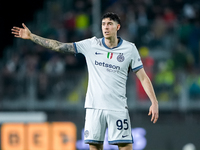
{"x": 111, "y": 42}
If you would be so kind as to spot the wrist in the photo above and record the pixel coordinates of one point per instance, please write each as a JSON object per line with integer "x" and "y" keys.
{"x": 31, "y": 36}
{"x": 155, "y": 102}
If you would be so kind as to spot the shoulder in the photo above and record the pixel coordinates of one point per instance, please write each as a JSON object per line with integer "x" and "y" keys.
{"x": 92, "y": 40}
{"x": 87, "y": 41}
{"x": 96, "y": 40}
{"x": 130, "y": 45}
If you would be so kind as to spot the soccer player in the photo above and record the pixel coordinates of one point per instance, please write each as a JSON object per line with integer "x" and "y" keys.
{"x": 108, "y": 60}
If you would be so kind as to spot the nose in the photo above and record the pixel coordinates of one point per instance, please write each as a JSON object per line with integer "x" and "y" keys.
{"x": 106, "y": 26}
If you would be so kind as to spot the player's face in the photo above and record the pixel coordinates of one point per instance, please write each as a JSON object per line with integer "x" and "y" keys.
{"x": 109, "y": 28}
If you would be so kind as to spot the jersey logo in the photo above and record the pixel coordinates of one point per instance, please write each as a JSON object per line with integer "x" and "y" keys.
{"x": 123, "y": 136}
{"x": 120, "y": 57}
{"x": 98, "y": 53}
{"x": 86, "y": 134}
{"x": 110, "y": 55}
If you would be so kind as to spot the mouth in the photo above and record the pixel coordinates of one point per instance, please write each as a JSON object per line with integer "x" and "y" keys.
{"x": 106, "y": 32}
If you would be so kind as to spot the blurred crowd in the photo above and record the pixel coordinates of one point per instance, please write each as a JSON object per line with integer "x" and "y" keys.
{"x": 166, "y": 33}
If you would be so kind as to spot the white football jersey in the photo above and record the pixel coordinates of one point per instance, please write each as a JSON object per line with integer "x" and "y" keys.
{"x": 108, "y": 72}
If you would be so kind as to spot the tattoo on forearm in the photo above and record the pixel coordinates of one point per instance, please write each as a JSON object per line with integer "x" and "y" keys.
{"x": 67, "y": 47}
{"x": 53, "y": 44}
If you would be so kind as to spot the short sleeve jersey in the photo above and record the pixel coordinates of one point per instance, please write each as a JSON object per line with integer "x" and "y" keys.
{"x": 108, "y": 72}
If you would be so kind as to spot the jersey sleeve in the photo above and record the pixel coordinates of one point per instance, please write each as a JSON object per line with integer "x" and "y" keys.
{"x": 136, "y": 63}
{"x": 82, "y": 46}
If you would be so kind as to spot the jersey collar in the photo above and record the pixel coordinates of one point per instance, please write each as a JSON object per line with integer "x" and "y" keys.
{"x": 120, "y": 43}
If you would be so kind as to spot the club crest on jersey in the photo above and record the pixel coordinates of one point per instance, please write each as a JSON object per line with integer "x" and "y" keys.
{"x": 120, "y": 57}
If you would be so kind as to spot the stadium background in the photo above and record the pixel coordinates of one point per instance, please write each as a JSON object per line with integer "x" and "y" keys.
{"x": 50, "y": 87}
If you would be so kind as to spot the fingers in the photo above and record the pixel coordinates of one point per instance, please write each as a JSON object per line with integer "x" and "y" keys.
{"x": 153, "y": 110}
{"x": 17, "y": 36}
{"x": 154, "y": 117}
{"x": 155, "y": 120}
{"x": 149, "y": 113}
{"x": 16, "y": 28}
{"x": 24, "y": 26}
{"x": 16, "y": 31}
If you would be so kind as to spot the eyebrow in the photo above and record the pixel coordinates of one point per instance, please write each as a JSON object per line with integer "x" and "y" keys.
{"x": 107, "y": 22}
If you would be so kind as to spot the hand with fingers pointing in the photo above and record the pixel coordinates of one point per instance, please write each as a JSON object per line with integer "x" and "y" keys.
{"x": 23, "y": 33}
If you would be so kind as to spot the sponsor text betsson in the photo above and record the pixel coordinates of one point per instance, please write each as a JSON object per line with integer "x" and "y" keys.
{"x": 103, "y": 64}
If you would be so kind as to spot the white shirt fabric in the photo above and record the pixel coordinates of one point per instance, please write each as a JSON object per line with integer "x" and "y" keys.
{"x": 108, "y": 71}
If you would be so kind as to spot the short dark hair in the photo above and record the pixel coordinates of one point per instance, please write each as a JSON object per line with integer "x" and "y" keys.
{"x": 112, "y": 16}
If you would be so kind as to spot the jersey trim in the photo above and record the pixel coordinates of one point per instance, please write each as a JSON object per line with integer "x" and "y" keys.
{"x": 137, "y": 68}
{"x": 104, "y": 44}
{"x": 93, "y": 142}
{"x": 75, "y": 47}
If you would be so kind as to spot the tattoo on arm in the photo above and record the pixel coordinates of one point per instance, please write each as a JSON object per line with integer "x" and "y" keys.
{"x": 53, "y": 44}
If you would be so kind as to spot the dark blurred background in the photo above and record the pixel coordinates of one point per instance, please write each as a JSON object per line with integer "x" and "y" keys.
{"x": 166, "y": 33}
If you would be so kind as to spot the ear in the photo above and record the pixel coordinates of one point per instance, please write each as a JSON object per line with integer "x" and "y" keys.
{"x": 118, "y": 27}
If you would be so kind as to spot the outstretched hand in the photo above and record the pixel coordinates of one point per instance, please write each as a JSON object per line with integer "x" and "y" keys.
{"x": 153, "y": 110}
{"x": 23, "y": 33}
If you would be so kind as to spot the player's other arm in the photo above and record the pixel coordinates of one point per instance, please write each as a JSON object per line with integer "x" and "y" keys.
{"x": 25, "y": 33}
{"x": 147, "y": 85}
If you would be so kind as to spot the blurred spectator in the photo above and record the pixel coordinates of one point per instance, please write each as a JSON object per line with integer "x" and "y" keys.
{"x": 44, "y": 55}
{"x": 193, "y": 82}
{"x": 30, "y": 65}
{"x": 71, "y": 63}
{"x": 184, "y": 29}
{"x": 182, "y": 58}
{"x": 159, "y": 30}
{"x": 169, "y": 18}
{"x": 80, "y": 6}
{"x": 131, "y": 24}
{"x": 164, "y": 81}
{"x": 55, "y": 66}
{"x": 69, "y": 20}
{"x": 49, "y": 30}
{"x": 142, "y": 20}
{"x": 194, "y": 43}
{"x": 42, "y": 86}
{"x": 12, "y": 66}
{"x": 9, "y": 76}
{"x": 153, "y": 11}
{"x": 70, "y": 23}
{"x": 188, "y": 11}
{"x": 82, "y": 23}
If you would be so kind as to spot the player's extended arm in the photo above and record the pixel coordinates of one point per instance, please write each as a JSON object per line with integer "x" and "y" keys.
{"x": 147, "y": 85}
{"x": 25, "y": 33}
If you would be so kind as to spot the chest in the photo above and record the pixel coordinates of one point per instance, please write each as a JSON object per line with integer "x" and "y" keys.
{"x": 118, "y": 58}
